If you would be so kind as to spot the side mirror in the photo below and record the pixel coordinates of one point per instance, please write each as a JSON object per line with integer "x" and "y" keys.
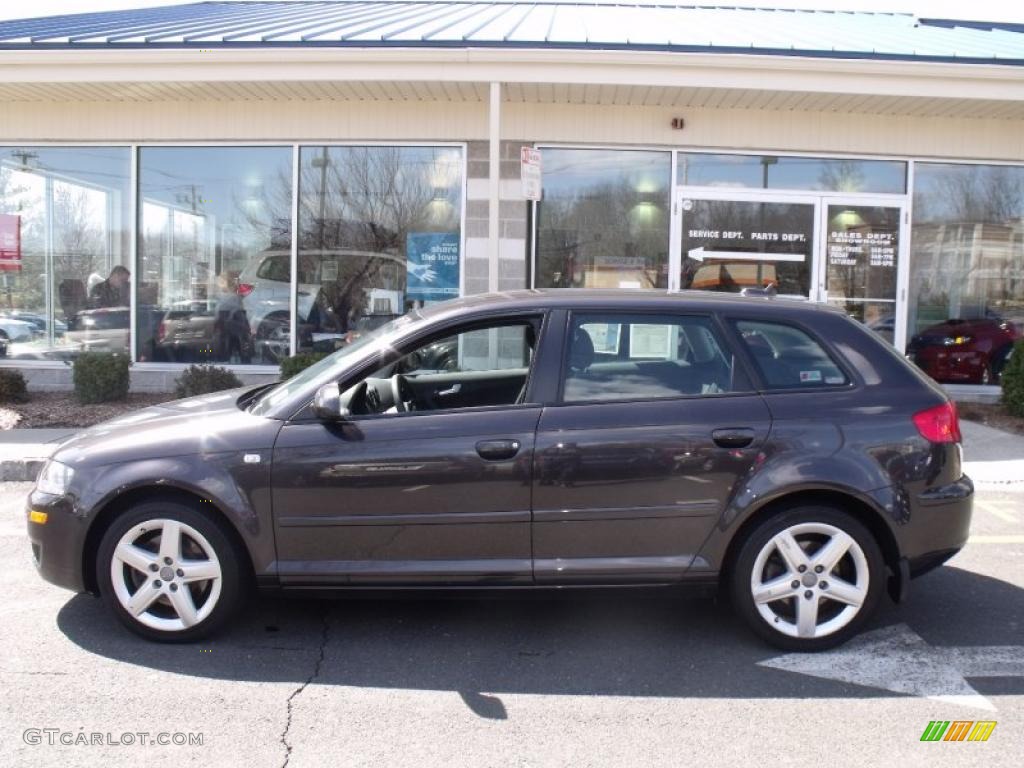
{"x": 327, "y": 403}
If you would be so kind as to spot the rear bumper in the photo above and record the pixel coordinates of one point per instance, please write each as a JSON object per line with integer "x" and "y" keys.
{"x": 939, "y": 525}
{"x": 931, "y": 531}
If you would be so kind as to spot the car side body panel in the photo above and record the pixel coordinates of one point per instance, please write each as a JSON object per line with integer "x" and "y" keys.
{"x": 857, "y": 439}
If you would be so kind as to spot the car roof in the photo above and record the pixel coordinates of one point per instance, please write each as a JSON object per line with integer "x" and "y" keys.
{"x": 621, "y": 298}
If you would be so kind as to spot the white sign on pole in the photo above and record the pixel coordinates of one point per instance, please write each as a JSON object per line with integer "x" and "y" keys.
{"x": 530, "y": 172}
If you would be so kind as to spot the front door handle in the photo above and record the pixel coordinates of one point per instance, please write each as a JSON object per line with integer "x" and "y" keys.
{"x": 733, "y": 437}
{"x": 454, "y": 389}
{"x": 497, "y": 450}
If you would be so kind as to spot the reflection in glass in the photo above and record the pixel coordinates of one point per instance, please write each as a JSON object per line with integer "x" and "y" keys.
{"x": 604, "y": 219}
{"x": 967, "y": 270}
{"x": 379, "y": 233}
{"x": 729, "y": 245}
{"x": 615, "y": 356}
{"x": 862, "y": 250}
{"x": 63, "y": 244}
{"x": 787, "y": 172}
{"x": 210, "y": 220}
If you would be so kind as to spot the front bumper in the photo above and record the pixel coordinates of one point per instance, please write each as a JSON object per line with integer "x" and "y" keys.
{"x": 57, "y": 544}
{"x": 964, "y": 366}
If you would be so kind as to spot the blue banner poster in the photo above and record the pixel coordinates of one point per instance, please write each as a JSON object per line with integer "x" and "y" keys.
{"x": 432, "y": 265}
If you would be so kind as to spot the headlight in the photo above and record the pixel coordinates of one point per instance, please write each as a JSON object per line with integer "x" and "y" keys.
{"x": 955, "y": 341}
{"x": 55, "y": 478}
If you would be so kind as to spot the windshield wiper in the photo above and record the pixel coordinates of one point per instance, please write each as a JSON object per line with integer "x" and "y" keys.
{"x": 247, "y": 399}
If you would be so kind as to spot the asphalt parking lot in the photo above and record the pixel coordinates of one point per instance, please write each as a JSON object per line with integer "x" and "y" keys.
{"x": 607, "y": 679}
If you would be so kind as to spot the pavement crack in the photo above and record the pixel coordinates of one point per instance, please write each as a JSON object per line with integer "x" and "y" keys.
{"x": 324, "y": 636}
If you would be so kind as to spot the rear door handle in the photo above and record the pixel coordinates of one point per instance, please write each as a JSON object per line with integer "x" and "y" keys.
{"x": 497, "y": 450}
{"x": 733, "y": 437}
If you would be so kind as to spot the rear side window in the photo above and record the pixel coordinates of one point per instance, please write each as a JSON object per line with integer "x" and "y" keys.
{"x": 789, "y": 358}
{"x": 613, "y": 356}
{"x": 275, "y": 268}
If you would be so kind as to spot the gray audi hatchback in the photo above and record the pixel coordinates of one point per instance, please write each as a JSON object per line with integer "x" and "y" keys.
{"x": 531, "y": 440}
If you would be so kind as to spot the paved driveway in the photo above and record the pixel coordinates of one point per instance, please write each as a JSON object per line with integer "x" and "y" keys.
{"x": 607, "y": 679}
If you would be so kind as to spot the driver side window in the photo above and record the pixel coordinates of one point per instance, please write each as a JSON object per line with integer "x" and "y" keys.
{"x": 482, "y": 366}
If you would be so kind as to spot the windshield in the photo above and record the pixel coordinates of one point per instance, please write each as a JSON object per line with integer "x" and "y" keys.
{"x": 336, "y": 361}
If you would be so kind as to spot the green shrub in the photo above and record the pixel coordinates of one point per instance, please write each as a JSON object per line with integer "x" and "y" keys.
{"x": 12, "y": 386}
{"x": 203, "y": 379}
{"x": 1013, "y": 381}
{"x": 101, "y": 377}
{"x": 292, "y": 365}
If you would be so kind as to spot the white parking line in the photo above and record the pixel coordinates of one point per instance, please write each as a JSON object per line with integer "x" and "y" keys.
{"x": 995, "y": 508}
{"x": 1006, "y": 538}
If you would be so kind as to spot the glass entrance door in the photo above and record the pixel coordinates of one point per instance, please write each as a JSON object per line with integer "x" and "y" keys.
{"x": 860, "y": 263}
{"x": 731, "y": 241}
{"x": 843, "y": 250}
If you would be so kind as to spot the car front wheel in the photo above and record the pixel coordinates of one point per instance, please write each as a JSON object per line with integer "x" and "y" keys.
{"x": 168, "y": 572}
{"x": 807, "y": 579}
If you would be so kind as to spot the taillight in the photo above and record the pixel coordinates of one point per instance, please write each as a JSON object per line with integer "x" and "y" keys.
{"x": 244, "y": 289}
{"x": 939, "y": 424}
{"x": 161, "y": 331}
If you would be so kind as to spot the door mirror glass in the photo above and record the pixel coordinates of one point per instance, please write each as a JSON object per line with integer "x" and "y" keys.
{"x": 327, "y": 403}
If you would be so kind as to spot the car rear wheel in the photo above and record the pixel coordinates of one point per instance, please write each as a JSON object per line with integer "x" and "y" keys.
{"x": 169, "y": 573}
{"x": 807, "y": 579}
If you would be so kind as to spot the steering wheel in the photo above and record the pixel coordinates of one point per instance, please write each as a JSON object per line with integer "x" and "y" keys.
{"x": 401, "y": 393}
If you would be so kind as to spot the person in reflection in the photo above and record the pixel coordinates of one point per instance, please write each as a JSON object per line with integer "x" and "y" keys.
{"x": 232, "y": 339}
{"x": 112, "y": 292}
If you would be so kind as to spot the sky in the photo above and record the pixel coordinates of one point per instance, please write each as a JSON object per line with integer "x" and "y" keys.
{"x": 979, "y": 10}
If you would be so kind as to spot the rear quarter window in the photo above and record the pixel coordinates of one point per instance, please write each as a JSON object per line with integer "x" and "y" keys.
{"x": 788, "y": 357}
{"x": 275, "y": 268}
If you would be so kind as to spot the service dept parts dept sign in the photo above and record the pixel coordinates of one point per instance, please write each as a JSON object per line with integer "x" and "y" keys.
{"x": 432, "y": 265}
{"x": 530, "y": 172}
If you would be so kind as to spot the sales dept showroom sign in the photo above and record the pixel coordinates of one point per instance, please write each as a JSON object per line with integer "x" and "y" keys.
{"x": 432, "y": 266}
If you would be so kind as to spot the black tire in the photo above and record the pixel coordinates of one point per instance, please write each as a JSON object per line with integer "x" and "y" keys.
{"x": 234, "y": 579}
{"x": 741, "y": 575}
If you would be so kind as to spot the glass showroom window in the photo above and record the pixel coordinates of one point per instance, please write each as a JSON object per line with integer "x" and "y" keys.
{"x": 214, "y": 254}
{"x": 604, "y": 219}
{"x": 832, "y": 174}
{"x": 966, "y": 270}
{"x": 63, "y": 243}
{"x": 379, "y": 233}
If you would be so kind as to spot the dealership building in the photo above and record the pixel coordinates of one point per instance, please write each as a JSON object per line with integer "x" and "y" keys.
{"x": 237, "y": 182}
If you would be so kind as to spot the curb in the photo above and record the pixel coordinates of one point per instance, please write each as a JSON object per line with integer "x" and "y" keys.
{"x": 19, "y": 471}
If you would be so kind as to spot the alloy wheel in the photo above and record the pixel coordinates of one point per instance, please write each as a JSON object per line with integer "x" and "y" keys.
{"x": 810, "y": 580}
{"x": 166, "y": 574}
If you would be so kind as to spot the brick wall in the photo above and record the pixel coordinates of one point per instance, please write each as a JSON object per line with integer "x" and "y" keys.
{"x": 511, "y": 219}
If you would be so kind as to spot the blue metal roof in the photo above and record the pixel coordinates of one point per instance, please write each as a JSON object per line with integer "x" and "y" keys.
{"x": 496, "y": 24}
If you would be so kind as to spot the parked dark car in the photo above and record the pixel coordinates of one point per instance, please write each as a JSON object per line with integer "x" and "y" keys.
{"x": 37, "y": 321}
{"x": 965, "y": 351}
{"x": 774, "y": 449}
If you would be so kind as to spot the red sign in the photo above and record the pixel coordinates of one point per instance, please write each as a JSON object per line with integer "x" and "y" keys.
{"x": 10, "y": 242}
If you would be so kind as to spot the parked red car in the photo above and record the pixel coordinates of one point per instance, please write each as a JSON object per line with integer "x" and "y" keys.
{"x": 964, "y": 351}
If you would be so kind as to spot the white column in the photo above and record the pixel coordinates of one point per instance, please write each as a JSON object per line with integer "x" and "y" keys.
{"x": 494, "y": 166}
